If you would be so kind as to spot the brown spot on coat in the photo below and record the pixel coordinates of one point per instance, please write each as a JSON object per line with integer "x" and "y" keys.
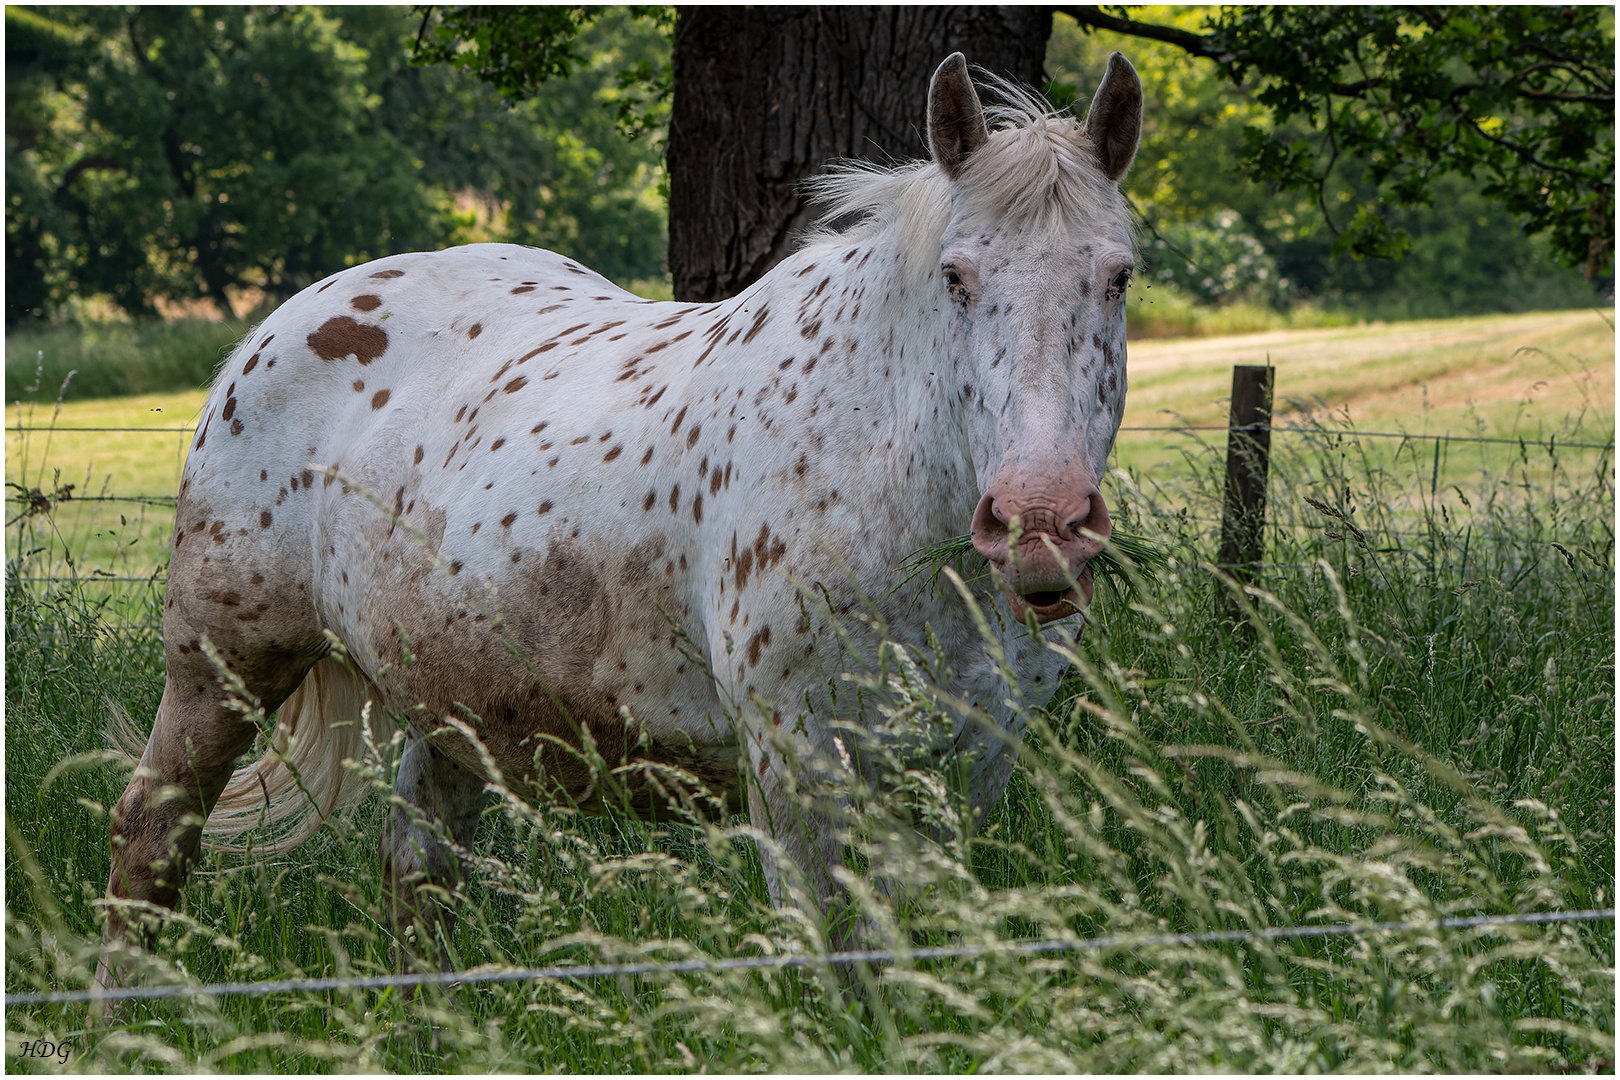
{"x": 251, "y": 364}
{"x": 368, "y": 302}
{"x": 341, "y": 336}
{"x": 264, "y": 519}
{"x": 759, "y": 324}
{"x": 384, "y": 275}
{"x": 497, "y": 444}
{"x": 522, "y": 289}
{"x": 236, "y": 426}
{"x": 543, "y": 508}
{"x": 613, "y": 453}
{"x": 474, "y": 330}
{"x": 516, "y": 384}
{"x": 379, "y": 399}
{"x": 506, "y": 521}
{"x": 761, "y": 638}
{"x": 417, "y": 460}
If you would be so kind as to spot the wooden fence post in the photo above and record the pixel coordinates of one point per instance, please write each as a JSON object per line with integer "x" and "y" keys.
{"x": 1248, "y": 461}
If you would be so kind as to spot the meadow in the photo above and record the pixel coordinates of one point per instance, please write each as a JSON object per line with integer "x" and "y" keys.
{"x": 1413, "y": 721}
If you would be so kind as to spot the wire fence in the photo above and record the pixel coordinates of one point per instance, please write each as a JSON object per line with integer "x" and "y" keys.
{"x": 37, "y": 500}
{"x": 1517, "y": 440}
{"x": 792, "y": 960}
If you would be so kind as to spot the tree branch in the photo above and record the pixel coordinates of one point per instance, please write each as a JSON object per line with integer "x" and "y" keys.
{"x": 72, "y": 174}
{"x": 1088, "y": 15}
{"x": 427, "y": 13}
{"x": 1196, "y": 44}
{"x": 1560, "y": 95}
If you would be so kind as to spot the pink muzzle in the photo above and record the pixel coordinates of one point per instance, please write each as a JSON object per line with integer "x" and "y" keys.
{"x": 1062, "y": 523}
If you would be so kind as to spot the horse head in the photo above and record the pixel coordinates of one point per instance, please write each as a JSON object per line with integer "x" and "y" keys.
{"x": 1034, "y": 266}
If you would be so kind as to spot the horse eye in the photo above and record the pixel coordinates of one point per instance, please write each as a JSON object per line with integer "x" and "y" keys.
{"x": 952, "y": 278}
{"x": 1116, "y": 287}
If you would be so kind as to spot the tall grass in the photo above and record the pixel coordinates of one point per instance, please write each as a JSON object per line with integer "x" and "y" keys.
{"x": 1418, "y": 722}
{"x": 111, "y": 359}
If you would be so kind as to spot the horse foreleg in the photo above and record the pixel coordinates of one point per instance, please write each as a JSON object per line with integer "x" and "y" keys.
{"x": 420, "y": 866}
{"x": 799, "y": 806}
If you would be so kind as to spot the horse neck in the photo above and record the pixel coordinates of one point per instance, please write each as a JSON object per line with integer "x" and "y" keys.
{"x": 862, "y": 295}
{"x": 879, "y": 326}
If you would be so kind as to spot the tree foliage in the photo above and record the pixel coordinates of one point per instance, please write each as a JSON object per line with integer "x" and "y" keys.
{"x": 1218, "y": 236}
{"x": 163, "y": 153}
{"x": 217, "y": 149}
{"x": 1521, "y": 98}
{"x": 516, "y": 49}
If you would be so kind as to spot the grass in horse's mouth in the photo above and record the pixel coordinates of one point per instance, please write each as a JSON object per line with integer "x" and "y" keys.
{"x": 1147, "y": 556}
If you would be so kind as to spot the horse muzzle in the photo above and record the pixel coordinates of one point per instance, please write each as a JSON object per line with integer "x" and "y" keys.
{"x": 1048, "y": 573}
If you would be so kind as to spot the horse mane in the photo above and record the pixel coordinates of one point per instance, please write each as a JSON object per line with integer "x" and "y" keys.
{"x": 1037, "y": 171}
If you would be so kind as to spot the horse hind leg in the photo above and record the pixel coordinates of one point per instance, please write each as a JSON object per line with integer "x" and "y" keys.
{"x": 157, "y": 824}
{"x": 268, "y": 643}
{"x": 437, "y": 812}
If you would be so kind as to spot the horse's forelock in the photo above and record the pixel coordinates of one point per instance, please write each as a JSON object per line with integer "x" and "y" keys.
{"x": 1037, "y": 171}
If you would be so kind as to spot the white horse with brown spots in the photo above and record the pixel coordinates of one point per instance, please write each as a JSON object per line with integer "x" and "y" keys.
{"x": 497, "y": 480}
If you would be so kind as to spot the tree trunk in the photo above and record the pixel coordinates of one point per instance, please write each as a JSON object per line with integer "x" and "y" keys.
{"x": 765, "y": 96}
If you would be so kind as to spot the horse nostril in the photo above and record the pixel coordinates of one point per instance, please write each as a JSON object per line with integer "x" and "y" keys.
{"x": 989, "y": 528}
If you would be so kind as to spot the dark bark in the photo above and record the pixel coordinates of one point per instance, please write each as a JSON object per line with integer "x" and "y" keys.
{"x": 766, "y": 96}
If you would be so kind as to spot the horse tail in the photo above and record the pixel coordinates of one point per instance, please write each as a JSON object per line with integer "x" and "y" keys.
{"x": 287, "y": 794}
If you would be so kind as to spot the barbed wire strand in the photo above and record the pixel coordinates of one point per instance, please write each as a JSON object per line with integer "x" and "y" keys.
{"x": 1513, "y": 441}
{"x": 153, "y": 500}
{"x": 1353, "y": 433}
{"x": 791, "y": 960}
{"x": 46, "y": 427}
{"x": 90, "y": 579}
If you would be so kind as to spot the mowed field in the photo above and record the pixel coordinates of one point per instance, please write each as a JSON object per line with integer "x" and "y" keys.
{"x": 1500, "y": 376}
{"x": 1530, "y": 376}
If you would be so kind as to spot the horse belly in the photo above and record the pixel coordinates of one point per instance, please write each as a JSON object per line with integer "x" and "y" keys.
{"x": 532, "y": 639}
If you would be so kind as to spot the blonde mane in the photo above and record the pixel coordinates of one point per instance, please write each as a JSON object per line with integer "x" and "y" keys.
{"x": 1037, "y": 172}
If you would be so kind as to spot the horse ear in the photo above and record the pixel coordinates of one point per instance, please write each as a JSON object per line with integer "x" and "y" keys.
{"x": 956, "y": 126}
{"x": 1114, "y": 123}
